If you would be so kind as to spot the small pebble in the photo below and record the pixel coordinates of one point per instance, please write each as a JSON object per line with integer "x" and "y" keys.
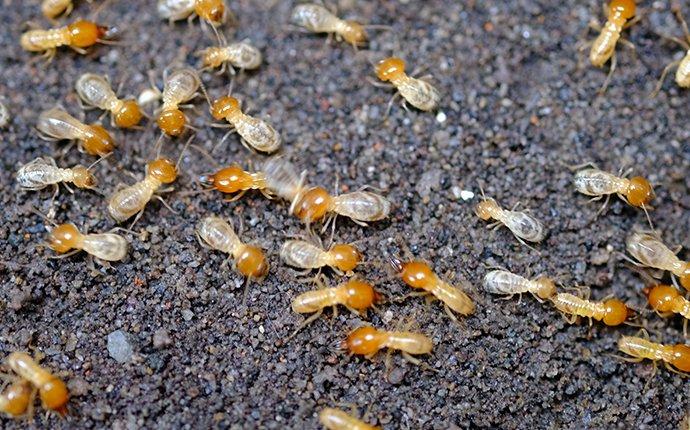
{"x": 119, "y": 346}
{"x": 161, "y": 338}
{"x": 441, "y": 117}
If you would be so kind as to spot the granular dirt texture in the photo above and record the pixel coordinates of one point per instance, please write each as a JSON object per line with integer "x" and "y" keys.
{"x": 516, "y": 109}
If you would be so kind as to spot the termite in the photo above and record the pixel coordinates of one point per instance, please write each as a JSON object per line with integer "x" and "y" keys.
{"x": 234, "y": 179}
{"x": 318, "y": 19}
{"x": 51, "y": 389}
{"x": 66, "y": 239}
{"x": 649, "y": 251}
{"x": 335, "y": 419}
{"x": 306, "y": 255}
{"x": 241, "y": 55}
{"x": 368, "y": 341}
{"x": 504, "y": 282}
{"x": 603, "y": 48}
{"x": 78, "y": 35}
{"x": 683, "y": 70}
{"x": 255, "y": 133}
{"x": 665, "y": 300}
{"x": 611, "y": 312}
{"x": 524, "y": 226}
{"x": 416, "y": 92}
{"x": 94, "y": 90}
{"x": 43, "y": 172}
{"x": 17, "y": 398}
{"x": 218, "y": 234}
{"x": 636, "y": 191}
{"x": 179, "y": 87}
{"x": 417, "y": 274}
{"x": 673, "y": 356}
{"x": 215, "y": 12}
{"x": 57, "y": 124}
{"x": 53, "y": 9}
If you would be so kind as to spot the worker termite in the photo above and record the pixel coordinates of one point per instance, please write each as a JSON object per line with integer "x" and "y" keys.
{"x": 306, "y": 255}
{"x": 368, "y": 341}
{"x": 665, "y": 300}
{"x": 318, "y": 19}
{"x": 51, "y": 389}
{"x": 241, "y": 55}
{"x": 234, "y": 179}
{"x": 218, "y": 234}
{"x": 335, "y": 419}
{"x": 676, "y": 358}
{"x": 43, "y": 172}
{"x": 414, "y": 91}
{"x": 94, "y": 90}
{"x": 649, "y": 251}
{"x": 524, "y": 226}
{"x": 178, "y": 87}
{"x": 683, "y": 71}
{"x": 255, "y": 133}
{"x": 67, "y": 240}
{"x": 611, "y": 312}
{"x": 57, "y": 124}
{"x": 418, "y": 274}
{"x": 16, "y": 400}
{"x": 215, "y": 12}
{"x": 504, "y": 282}
{"x": 603, "y": 48}
{"x": 78, "y": 35}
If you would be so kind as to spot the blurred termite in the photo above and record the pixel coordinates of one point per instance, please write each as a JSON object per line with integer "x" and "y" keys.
{"x": 683, "y": 70}
{"x": 335, "y": 419}
{"x": 78, "y": 35}
{"x": 218, "y": 234}
{"x": 676, "y": 358}
{"x": 368, "y": 341}
{"x": 236, "y": 55}
{"x": 66, "y": 240}
{"x": 649, "y": 251}
{"x": 179, "y": 86}
{"x": 254, "y": 133}
{"x": 417, "y": 274}
{"x": 17, "y": 399}
{"x": 666, "y": 300}
{"x": 603, "y": 48}
{"x": 524, "y": 226}
{"x": 611, "y": 312}
{"x": 57, "y": 124}
{"x": 51, "y": 389}
{"x": 509, "y": 284}
{"x": 43, "y": 172}
{"x": 53, "y": 9}
{"x": 95, "y": 90}
{"x": 343, "y": 257}
{"x": 214, "y": 12}
{"x": 318, "y": 19}
{"x": 415, "y": 91}
{"x": 235, "y": 180}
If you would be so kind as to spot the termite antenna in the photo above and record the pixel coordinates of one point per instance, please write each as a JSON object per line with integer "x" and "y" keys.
{"x": 92, "y": 165}
{"x": 184, "y": 148}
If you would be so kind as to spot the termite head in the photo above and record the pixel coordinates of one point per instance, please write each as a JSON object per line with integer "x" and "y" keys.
{"x": 54, "y": 395}
{"x": 624, "y": 8}
{"x": 64, "y": 237}
{"x": 225, "y": 107}
{"x": 98, "y": 141}
{"x": 616, "y": 312}
{"x": 228, "y": 180}
{"x": 344, "y": 257}
{"x": 172, "y": 121}
{"x": 129, "y": 115}
{"x": 390, "y": 69}
{"x": 363, "y": 341}
{"x": 660, "y": 297}
{"x": 251, "y": 262}
{"x": 85, "y": 33}
{"x": 640, "y": 191}
{"x": 681, "y": 357}
{"x": 360, "y": 294}
{"x": 314, "y": 205}
{"x": 17, "y": 397}
{"x": 547, "y": 288}
{"x": 486, "y": 209}
{"x": 211, "y": 10}
{"x": 163, "y": 170}
{"x": 416, "y": 274}
{"x": 354, "y": 33}
{"x": 83, "y": 178}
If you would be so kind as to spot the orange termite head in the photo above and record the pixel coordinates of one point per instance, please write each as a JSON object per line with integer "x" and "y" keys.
{"x": 354, "y": 33}
{"x": 85, "y": 33}
{"x": 211, "y": 10}
{"x": 390, "y": 69}
{"x": 64, "y": 237}
{"x": 172, "y": 122}
{"x": 98, "y": 141}
{"x": 681, "y": 357}
{"x": 660, "y": 297}
{"x": 486, "y": 209}
{"x": 229, "y": 180}
{"x": 54, "y": 395}
{"x": 640, "y": 191}
{"x": 163, "y": 170}
{"x": 344, "y": 257}
{"x": 15, "y": 400}
{"x": 616, "y": 312}
{"x": 251, "y": 262}
{"x": 547, "y": 288}
{"x": 363, "y": 341}
{"x": 416, "y": 274}
{"x": 225, "y": 107}
{"x": 314, "y": 205}
{"x": 625, "y": 8}
{"x": 83, "y": 178}
{"x": 360, "y": 294}
{"x": 129, "y": 115}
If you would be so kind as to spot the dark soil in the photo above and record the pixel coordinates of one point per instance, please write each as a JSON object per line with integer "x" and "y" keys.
{"x": 516, "y": 109}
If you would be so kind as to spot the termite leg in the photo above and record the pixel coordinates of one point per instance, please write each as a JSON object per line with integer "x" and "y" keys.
{"x": 313, "y": 317}
{"x": 614, "y": 62}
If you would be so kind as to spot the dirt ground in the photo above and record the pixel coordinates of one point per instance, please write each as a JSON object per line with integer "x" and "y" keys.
{"x": 515, "y": 108}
